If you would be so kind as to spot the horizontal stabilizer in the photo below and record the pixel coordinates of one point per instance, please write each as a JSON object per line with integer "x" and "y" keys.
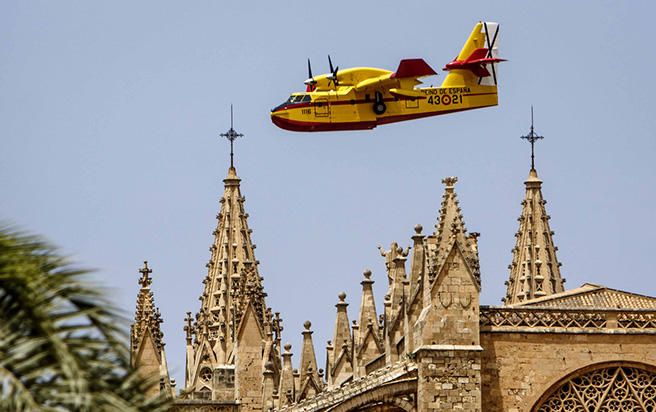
{"x": 413, "y": 68}
{"x": 475, "y": 62}
{"x": 477, "y": 54}
{"x": 405, "y": 94}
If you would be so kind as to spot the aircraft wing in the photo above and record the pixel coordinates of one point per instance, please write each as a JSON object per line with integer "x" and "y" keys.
{"x": 402, "y": 80}
{"x": 413, "y": 68}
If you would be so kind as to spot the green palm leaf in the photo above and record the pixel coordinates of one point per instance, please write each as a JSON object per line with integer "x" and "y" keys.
{"x": 62, "y": 344}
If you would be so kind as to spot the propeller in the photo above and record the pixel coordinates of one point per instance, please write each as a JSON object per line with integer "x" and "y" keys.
{"x": 333, "y": 72}
{"x": 490, "y": 45}
{"x": 310, "y": 80}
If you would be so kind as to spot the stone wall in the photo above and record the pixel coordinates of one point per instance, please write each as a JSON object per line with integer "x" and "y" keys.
{"x": 203, "y": 406}
{"x": 249, "y": 369}
{"x": 518, "y": 368}
{"x": 449, "y": 378}
{"x": 147, "y": 363}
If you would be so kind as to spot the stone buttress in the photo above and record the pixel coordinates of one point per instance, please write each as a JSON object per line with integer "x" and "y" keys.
{"x": 446, "y": 333}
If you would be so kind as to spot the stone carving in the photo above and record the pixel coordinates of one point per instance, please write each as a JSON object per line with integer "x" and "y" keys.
{"x": 637, "y": 320}
{"x": 608, "y": 389}
{"x": 492, "y": 317}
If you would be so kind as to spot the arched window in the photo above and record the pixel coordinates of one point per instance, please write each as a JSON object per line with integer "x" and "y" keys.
{"x": 610, "y": 387}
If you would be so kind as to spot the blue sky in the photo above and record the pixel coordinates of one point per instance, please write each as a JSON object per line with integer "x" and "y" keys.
{"x": 110, "y": 115}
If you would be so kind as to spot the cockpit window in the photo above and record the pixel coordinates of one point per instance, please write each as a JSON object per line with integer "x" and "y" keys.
{"x": 299, "y": 98}
{"x": 294, "y": 99}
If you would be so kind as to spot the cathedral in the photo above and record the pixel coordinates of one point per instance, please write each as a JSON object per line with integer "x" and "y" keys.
{"x": 428, "y": 346}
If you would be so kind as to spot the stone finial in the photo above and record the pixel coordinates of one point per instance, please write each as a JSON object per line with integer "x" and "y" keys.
{"x": 145, "y": 280}
{"x": 342, "y": 297}
{"x": 418, "y": 228}
{"x": 450, "y": 181}
{"x": 367, "y": 274}
{"x": 307, "y": 325}
{"x": 287, "y": 347}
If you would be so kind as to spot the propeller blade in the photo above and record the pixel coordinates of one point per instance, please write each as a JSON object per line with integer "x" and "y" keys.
{"x": 490, "y": 45}
{"x": 333, "y": 72}
{"x": 310, "y": 80}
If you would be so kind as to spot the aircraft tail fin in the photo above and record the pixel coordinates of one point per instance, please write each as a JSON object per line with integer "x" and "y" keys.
{"x": 476, "y": 62}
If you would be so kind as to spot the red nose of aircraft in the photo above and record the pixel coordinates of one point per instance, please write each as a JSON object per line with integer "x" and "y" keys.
{"x": 280, "y": 118}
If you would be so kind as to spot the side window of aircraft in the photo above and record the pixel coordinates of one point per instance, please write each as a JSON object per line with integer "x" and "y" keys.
{"x": 306, "y": 98}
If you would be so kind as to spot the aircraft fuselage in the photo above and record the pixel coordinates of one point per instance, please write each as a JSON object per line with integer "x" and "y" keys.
{"x": 346, "y": 109}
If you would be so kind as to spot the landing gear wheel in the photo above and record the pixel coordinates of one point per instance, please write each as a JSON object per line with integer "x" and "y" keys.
{"x": 379, "y": 104}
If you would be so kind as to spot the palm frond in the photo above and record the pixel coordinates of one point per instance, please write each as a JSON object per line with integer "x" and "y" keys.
{"x": 62, "y": 344}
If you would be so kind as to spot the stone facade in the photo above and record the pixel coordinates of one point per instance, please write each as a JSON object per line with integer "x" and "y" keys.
{"x": 432, "y": 347}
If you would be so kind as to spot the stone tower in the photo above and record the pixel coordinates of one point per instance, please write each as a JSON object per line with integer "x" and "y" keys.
{"x": 446, "y": 333}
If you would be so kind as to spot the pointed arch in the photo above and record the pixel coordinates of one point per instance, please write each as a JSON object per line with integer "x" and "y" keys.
{"x": 604, "y": 386}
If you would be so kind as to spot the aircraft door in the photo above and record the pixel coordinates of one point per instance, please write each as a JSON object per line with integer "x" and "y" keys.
{"x": 321, "y": 107}
{"x": 412, "y": 103}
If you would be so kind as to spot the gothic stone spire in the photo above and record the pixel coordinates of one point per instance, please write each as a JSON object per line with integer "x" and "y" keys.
{"x": 233, "y": 315}
{"x": 368, "y": 343}
{"x": 146, "y": 338}
{"x": 339, "y": 357}
{"x": 450, "y": 231}
{"x": 310, "y": 379}
{"x": 535, "y": 270}
{"x": 147, "y": 317}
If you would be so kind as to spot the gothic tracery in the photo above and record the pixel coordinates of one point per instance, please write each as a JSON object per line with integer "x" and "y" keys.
{"x": 615, "y": 388}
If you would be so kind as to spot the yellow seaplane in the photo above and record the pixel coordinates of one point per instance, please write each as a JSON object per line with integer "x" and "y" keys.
{"x": 363, "y": 97}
